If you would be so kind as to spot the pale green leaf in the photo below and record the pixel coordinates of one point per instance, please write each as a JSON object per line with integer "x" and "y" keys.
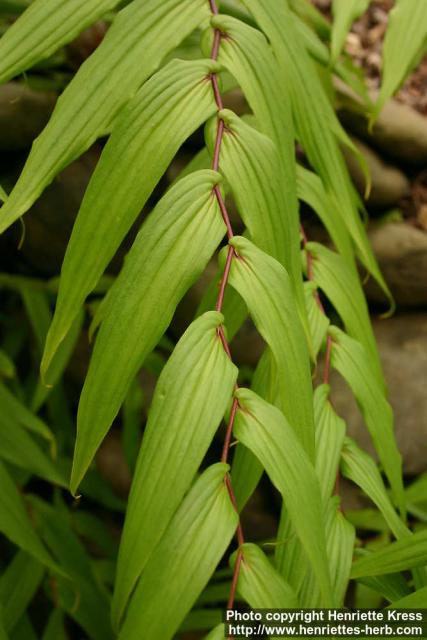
{"x": 170, "y": 252}
{"x": 148, "y": 133}
{"x": 340, "y": 536}
{"x": 391, "y": 586}
{"x": 404, "y": 554}
{"x": 359, "y": 467}
{"x": 263, "y": 429}
{"x": 317, "y": 319}
{"x": 259, "y": 582}
{"x": 18, "y": 584}
{"x": 15, "y": 523}
{"x": 352, "y": 361}
{"x": 344, "y": 14}
{"x": 183, "y": 561}
{"x": 140, "y": 36}
{"x": 216, "y": 634}
{"x": 14, "y": 410}
{"x": 341, "y": 285}
{"x": 416, "y": 600}
{"x": 330, "y": 433}
{"x": 43, "y": 28}
{"x": 404, "y": 43}
{"x": 265, "y": 286}
{"x": 190, "y": 400}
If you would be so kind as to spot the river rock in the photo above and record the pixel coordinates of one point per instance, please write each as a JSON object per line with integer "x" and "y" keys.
{"x": 401, "y": 251}
{"x": 402, "y": 343}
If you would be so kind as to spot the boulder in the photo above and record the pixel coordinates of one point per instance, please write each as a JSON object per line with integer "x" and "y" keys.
{"x": 402, "y": 343}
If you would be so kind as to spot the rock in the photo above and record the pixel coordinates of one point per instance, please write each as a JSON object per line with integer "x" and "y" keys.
{"x": 400, "y": 131}
{"x": 23, "y": 115}
{"x": 402, "y": 343}
{"x": 401, "y": 251}
{"x": 389, "y": 184}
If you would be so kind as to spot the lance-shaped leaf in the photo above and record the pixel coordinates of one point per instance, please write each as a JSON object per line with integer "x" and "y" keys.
{"x": 414, "y": 600}
{"x": 15, "y": 523}
{"x": 248, "y": 57}
{"x": 352, "y": 361}
{"x": 21, "y": 449}
{"x": 340, "y": 535}
{"x": 310, "y": 189}
{"x": 14, "y": 410}
{"x": 170, "y": 106}
{"x": 190, "y": 400}
{"x": 404, "y": 43}
{"x": 55, "y": 629}
{"x": 260, "y": 584}
{"x": 341, "y": 285}
{"x": 18, "y": 584}
{"x": 398, "y": 556}
{"x": 264, "y": 429}
{"x": 43, "y": 28}
{"x": 344, "y": 13}
{"x": 317, "y": 320}
{"x": 330, "y": 434}
{"x": 265, "y": 287}
{"x": 216, "y": 634}
{"x": 391, "y": 586}
{"x": 321, "y": 143}
{"x": 184, "y": 560}
{"x": 249, "y": 161}
{"x": 170, "y": 252}
{"x": 359, "y": 467}
{"x": 140, "y": 37}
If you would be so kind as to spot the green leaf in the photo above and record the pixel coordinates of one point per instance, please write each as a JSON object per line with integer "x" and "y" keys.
{"x": 359, "y": 467}
{"x": 397, "y": 556}
{"x": 391, "y": 586}
{"x": 140, "y": 36}
{"x": 263, "y": 429}
{"x": 265, "y": 286}
{"x": 321, "y": 143}
{"x": 79, "y": 594}
{"x": 21, "y": 449}
{"x": 182, "y": 563}
{"x": 18, "y": 584}
{"x": 15, "y": 523}
{"x": 414, "y": 600}
{"x": 317, "y": 320}
{"x": 55, "y": 629}
{"x": 352, "y": 361}
{"x": 43, "y": 29}
{"x": 340, "y": 536}
{"x": 248, "y": 57}
{"x": 14, "y": 410}
{"x": 341, "y": 285}
{"x": 216, "y": 634}
{"x": 259, "y": 582}
{"x": 344, "y": 14}
{"x": 190, "y": 400}
{"x": 148, "y": 133}
{"x": 170, "y": 252}
{"x": 330, "y": 434}
{"x": 7, "y": 366}
{"x": 404, "y": 43}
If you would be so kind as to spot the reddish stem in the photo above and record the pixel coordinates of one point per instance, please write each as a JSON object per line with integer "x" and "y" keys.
{"x": 229, "y": 431}
{"x": 224, "y": 279}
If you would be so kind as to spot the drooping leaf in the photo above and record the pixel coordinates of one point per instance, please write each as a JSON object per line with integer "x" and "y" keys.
{"x": 259, "y": 582}
{"x": 79, "y": 593}
{"x": 342, "y": 286}
{"x": 183, "y": 562}
{"x": 317, "y": 320}
{"x": 321, "y": 143}
{"x": 352, "y": 361}
{"x": 15, "y": 523}
{"x": 14, "y": 410}
{"x": 170, "y": 252}
{"x": 404, "y": 43}
{"x": 265, "y": 286}
{"x": 330, "y": 433}
{"x": 264, "y": 429}
{"x": 359, "y": 467}
{"x": 148, "y": 133}
{"x": 344, "y": 14}
{"x": 141, "y": 35}
{"x": 340, "y": 535}
{"x": 43, "y": 28}
{"x": 190, "y": 400}
{"x": 404, "y": 554}
{"x": 18, "y": 585}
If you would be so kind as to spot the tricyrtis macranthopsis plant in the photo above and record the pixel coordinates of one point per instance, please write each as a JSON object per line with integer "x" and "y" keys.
{"x": 183, "y": 515}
